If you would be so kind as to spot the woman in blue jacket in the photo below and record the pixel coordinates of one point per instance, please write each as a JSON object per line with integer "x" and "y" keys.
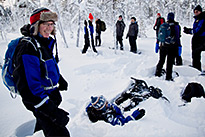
{"x": 37, "y": 75}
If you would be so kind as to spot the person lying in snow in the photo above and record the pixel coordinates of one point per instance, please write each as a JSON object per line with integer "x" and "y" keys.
{"x": 100, "y": 109}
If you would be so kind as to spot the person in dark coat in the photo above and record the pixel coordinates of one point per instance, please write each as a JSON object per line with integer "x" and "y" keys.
{"x": 169, "y": 50}
{"x": 91, "y": 30}
{"x": 132, "y": 34}
{"x": 120, "y": 27}
{"x": 198, "y": 39}
{"x": 160, "y": 20}
{"x": 37, "y": 75}
{"x": 98, "y": 32}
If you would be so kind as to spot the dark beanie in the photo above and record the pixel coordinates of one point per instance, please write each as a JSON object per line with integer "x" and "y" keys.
{"x": 198, "y": 7}
{"x": 133, "y": 18}
{"x": 170, "y": 16}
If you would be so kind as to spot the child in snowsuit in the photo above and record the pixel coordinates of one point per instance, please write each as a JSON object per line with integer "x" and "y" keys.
{"x": 101, "y": 109}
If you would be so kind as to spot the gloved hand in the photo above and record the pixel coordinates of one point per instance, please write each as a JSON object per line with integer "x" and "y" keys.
{"x": 157, "y": 48}
{"x": 179, "y": 50}
{"x": 57, "y": 116}
{"x": 139, "y": 113}
{"x": 63, "y": 85}
{"x": 187, "y": 30}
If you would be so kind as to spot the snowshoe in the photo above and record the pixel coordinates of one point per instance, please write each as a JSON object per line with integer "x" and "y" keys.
{"x": 140, "y": 85}
{"x": 155, "y": 92}
{"x": 124, "y": 96}
{"x": 133, "y": 103}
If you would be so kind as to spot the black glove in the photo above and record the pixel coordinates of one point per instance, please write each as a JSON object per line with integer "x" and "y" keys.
{"x": 187, "y": 30}
{"x": 63, "y": 85}
{"x": 57, "y": 116}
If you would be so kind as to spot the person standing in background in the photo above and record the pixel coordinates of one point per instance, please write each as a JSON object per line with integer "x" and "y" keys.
{"x": 159, "y": 21}
{"x": 98, "y": 32}
{"x": 132, "y": 34}
{"x": 120, "y": 27}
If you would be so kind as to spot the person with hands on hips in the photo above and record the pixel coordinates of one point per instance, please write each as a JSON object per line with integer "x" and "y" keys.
{"x": 198, "y": 39}
{"x": 37, "y": 75}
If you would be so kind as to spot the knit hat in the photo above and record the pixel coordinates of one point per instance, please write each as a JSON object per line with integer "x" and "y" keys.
{"x": 99, "y": 103}
{"x": 170, "y": 16}
{"x": 158, "y": 14}
{"x": 198, "y": 7}
{"x": 90, "y": 16}
{"x": 133, "y": 18}
{"x": 42, "y": 15}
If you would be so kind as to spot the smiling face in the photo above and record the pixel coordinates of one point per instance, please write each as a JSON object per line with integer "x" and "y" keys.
{"x": 46, "y": 28}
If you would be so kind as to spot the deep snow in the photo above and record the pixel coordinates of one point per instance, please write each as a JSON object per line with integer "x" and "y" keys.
{"x": 108, "y": 74}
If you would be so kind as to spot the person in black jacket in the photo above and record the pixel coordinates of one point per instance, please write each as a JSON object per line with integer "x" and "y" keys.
{"x": 37, "y": 75}
{"x": 169, "y": 50}
{"x": 132, "y": 34}
{"x": 98, "y": 32}
{"x": 198, "y": 39}
{"x": 159, "y": 21}
{"x": 120, "y": 27}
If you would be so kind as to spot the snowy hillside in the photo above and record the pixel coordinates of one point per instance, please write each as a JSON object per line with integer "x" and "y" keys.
{"x": 108, "y": 74}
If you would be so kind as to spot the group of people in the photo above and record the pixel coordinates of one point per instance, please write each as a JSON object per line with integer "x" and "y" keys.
{"x": 173, "y": 50}
{"x": 120, "y": 27}
{"x": 38, "y": 78}
{"x": 132, "y": 33}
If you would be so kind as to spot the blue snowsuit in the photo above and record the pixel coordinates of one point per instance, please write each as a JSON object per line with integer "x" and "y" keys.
{"x": 113, "y": 115}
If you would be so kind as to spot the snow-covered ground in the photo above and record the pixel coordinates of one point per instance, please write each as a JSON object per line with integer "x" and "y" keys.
{"x": 108, "y": 74}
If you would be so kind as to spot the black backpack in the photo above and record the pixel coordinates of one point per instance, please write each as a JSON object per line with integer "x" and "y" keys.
{"x": 103, "y": 26}
{"x": 192, "y": 90}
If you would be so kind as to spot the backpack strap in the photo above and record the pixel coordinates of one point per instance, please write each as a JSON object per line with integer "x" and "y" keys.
{"x": 36, "y": 47}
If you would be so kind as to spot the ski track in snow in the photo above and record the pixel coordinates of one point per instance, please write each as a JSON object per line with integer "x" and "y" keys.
{"x": 108, "y": 73}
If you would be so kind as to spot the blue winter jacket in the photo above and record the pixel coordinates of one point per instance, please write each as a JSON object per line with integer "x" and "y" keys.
{"x": 36, "y": 72}
{"x": 199, "y": 25}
